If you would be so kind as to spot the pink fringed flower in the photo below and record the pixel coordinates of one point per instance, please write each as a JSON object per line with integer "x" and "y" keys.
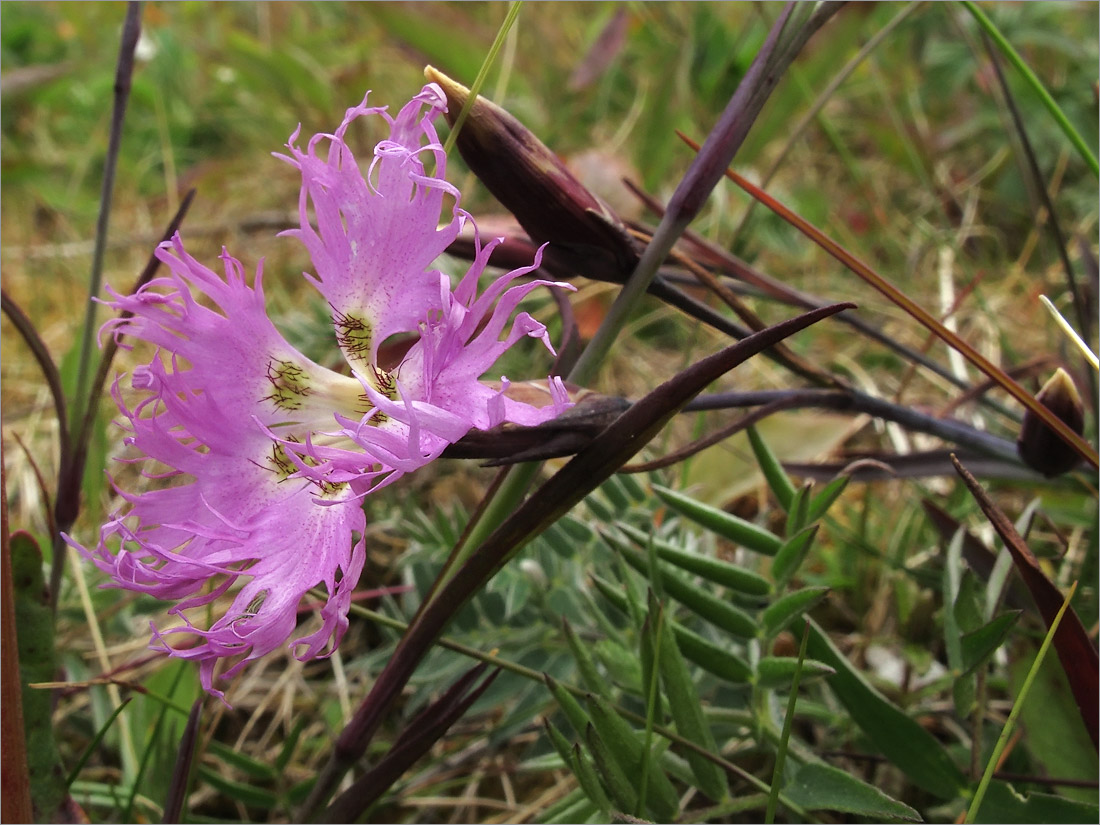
{"x": 271, "y": 454}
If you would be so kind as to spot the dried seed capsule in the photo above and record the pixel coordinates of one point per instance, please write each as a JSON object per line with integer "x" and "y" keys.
{"x": 531, "y": 182}
{"x": 1038, "y": 445}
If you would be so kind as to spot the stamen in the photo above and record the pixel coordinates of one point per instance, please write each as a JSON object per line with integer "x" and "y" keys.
{"x": 354, "y": 335}
{"x": 290, "y": 383}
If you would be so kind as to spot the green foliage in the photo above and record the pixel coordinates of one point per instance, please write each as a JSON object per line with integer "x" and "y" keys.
{"x": 909, "y": 746}
{"x": 727, "y": 525}
{"x": 673, "y": 649}
{"x": 1004, "y": 804}
{"x": 684, "y": 705}
{"x": 37, "y": 663}
{"x": 822, "y": 787}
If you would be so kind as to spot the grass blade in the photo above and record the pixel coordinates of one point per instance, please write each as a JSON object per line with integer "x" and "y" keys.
{"x": 687, "y": 710}
{"x": 919, "y": 313}
{"x": 1074, "y": 647}
{"x": 785, "y": 736}
{"x": 900, "y": 738}
{"x": 177, "y": 792}
{"x": 1010, "y": 724}
{"x": 1036, "y": 84}
{"x": 123, "y": 77}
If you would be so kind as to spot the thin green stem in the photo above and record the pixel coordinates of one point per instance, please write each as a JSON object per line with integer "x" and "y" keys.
{"x": 483, "y": 72}
{"x": 781, "y": 752}
{"x": 516, "y": 481}
{"x": 651, "y": 702}
{"x": 1014, "y": 58}
{"x": 1017, "y": 706}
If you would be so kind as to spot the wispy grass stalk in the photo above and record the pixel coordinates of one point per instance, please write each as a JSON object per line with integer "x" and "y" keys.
{"x": 1037, "y": 85}
{"x": 1017, "y": 706}
{"x": 483, "y": 72}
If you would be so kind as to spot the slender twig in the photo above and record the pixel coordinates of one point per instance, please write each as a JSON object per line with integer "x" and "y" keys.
{"x": 123, "y": 78}
{"x": 26, "y": 329}
{"x": 1036, "y": 85}
{"x": 919, "y": 313}
{"x": 819, "y": 103}
{"x": 948, "y": 429}
{"x": 1044, "y": 195}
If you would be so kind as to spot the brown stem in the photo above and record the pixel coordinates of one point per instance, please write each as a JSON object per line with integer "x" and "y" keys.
{"x": 15, "y": 783}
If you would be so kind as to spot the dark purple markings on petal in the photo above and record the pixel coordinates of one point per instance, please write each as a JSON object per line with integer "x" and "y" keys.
{"x": 289, "y": 382}
{"x": 329, "y": 488}
{"x": 365, "y": 405}
{"x": 354, "y": 335}
{"x": 386, "y": 383}
{"x": 284, "y": 467}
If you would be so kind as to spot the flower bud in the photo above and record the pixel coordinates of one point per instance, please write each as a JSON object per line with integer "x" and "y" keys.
{"x": 1038, "y": 445}
{"x": 531, "y": 182}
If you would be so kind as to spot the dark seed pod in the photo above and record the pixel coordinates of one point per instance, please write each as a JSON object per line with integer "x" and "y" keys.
{"x": 1038, "y": 445}
{"x": 531, "y": 182}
